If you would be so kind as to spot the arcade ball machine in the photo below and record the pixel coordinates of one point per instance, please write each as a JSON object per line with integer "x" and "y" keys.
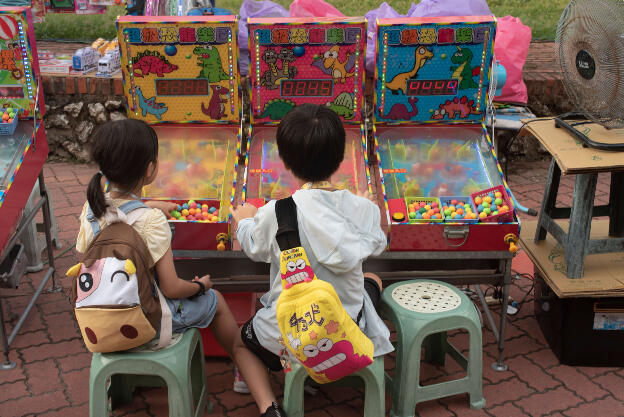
{"x": 181, "y": 76}
{"x": 23, "y": 144}
{"x": 443, "y": 187}
{"x": 295, "y": 61}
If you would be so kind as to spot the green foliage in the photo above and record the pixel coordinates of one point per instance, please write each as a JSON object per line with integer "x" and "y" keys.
{"x": 541, "y": 15}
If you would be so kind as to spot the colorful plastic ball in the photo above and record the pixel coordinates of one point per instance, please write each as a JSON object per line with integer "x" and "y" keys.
{"x": 192, "y": 211}
{"x": 482, "y": 215}
{"x": 299, "y": 51}
{"x": 179, "y": 208}
{"x": 478, "y": 200}
{"x": 454, "y": 202}
{"x": 434, "y": 204}
{"x": 204, "y": 210}
{"x": 172, "y": 218}
{"x": 487, "y": 199}
{"x": 486, "y": 204}
{"x": 212, "y": 209}
{"x": 185, "y": 212}
{"x": 412, "y": 215}
{"x": 205, "y": 215}
{"x": 427, "y": 207}
{"x": 436, "y": 210}
{"x": 437, "y": 215}
{"x": 171, "y": 50}
{"x": 193, "y": 205}
{"x": 185, "y": 206}
{"x": 422, "y": 210}
{"x": 426, "y": 216}
{"x": 175, "y": 214}
{"x": 480, "y": 208}
{"x": 418, "y": 215}
{"x": 504, "y": 209}
{"x": 494, "y": 213}
{"x": 182, "y": 218}
{"x": 448, "y": 212}
{"x": 498, "y": 194}
{"x": 493, "y": 207}
{"x": 487, "y": 211}
{"x": 454, "y": 215}
{"x": 498, "y": 201}
{"x": 205, "y": 206}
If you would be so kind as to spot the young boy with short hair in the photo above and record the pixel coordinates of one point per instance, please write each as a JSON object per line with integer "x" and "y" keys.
{"x": 338, "y": 230}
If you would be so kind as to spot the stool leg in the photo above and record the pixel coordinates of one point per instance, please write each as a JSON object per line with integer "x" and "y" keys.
{"x": 293, "y": 391}
{"x": 374, "y": 389}
{"x": 435, "y": 348}
{"x": 407, "y": 375}
{"x": 98, "y": 397}
{"x": 474, "y": 371}
{"x": 580, "y": 223}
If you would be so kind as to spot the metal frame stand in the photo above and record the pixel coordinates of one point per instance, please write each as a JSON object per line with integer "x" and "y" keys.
{"x": 577, "y": 243}
{"x": 44, "y": 204}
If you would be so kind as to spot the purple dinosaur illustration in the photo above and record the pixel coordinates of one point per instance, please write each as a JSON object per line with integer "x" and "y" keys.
{"x": 399, "y": 110}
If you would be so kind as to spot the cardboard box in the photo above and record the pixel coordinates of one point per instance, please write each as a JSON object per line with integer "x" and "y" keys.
{"x": 55, "y": 66}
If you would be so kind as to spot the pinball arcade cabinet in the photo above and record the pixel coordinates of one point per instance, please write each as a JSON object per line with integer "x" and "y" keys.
{"x": 438, "y": 170}
{"x": 181, "y": 75}
{"x": 296, "y": 61}
{"x": 23, "y": 151}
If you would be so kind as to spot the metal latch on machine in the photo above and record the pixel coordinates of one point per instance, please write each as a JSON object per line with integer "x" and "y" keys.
{"x": 456, "y": 232}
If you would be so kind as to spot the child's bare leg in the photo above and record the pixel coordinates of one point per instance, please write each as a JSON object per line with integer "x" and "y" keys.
{"x": 374, "y": 277}
{"x": 255, "y": 373}
{"x": 223, "y": 325}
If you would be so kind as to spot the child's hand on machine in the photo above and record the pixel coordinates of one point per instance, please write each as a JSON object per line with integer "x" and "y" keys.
{"x": 204, "y": 280}
{"x": 243, "y": 211}
{"x": 165, "y": 206}
{"x": 365, "y": 194}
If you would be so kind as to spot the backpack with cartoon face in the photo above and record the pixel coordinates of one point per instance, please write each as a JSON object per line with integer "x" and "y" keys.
{"x": 314, "y": 325}
{"x": 117, "y": 304}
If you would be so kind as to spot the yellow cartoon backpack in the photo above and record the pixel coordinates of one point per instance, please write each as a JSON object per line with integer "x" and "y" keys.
{"x": 315, "y": 327}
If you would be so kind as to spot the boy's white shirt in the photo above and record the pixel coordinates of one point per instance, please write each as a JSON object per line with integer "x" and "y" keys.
{"x": 338, "y": 231}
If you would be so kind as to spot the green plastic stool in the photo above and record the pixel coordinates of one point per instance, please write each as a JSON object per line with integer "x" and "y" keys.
{"x": 422, "y": 312}
{"x": 180, "y": 367}
{"x": 374, "y": 388}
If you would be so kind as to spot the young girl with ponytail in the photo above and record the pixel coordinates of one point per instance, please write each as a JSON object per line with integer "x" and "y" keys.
{"x": 126, "y": 153}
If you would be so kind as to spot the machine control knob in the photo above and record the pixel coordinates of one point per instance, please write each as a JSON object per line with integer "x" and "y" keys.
{"x": 512, "y": 241}
{"x": 221, "y": 241}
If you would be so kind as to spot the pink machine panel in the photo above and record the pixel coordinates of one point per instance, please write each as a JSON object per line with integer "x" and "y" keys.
{"x": 296, "y": 61}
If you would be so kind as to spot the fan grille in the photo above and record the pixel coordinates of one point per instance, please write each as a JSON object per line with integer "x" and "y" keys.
{"x": 590, "y": 51}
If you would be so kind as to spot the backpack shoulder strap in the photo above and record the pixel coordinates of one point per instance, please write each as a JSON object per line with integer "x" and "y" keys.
{"x": 133, "y": 210}
{"x": 287, "y": 235}
{"x": 93, "y": 221}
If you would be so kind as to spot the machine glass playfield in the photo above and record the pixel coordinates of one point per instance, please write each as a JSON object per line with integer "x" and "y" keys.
{"x": 296, "y": 61}
{"x": 181, "y": 75}
{"x": 441, "y": 181}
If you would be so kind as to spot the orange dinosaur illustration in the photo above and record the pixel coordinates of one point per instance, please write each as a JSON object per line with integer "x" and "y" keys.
{"x": 338, "y": 71}
{"x": 421, "y": 55}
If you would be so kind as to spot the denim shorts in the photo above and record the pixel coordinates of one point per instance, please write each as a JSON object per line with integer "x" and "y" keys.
{"x": 197, "y": 312}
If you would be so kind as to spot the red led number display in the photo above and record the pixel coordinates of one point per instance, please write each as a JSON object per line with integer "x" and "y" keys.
{"x": 196, "y": 87}
{"x": 307, "y": 88}
{"x": 431, "y": 87}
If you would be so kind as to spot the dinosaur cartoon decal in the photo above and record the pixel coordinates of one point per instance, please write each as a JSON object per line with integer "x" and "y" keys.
{"x": 457, "y": 107}
{"x": 343, "y": 105}
{"x": 338, "y": 69}
{"x": 149, "y": 105}
{"x": 277, "y": 108}
{"x": 274, "y": 75}
{"x": 209, "y": 60}
{"x": 399, "y": 111}
{"x": 399, "y": 82}
{"x": 216, "y": 107}
{"x": 463, "y": 70}
{"x": 151, "y": 62}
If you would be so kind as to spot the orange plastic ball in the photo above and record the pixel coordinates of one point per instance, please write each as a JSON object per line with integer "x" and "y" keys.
{"x": 478, "y": 200}
{"x": 426, "y": 216}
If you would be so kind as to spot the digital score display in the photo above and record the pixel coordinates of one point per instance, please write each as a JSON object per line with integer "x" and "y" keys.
{"x": 307, "y": 88}
{"x": 11, "y": 91}
{"x": 431, "y": 87}
{"x": 184, "y": 87}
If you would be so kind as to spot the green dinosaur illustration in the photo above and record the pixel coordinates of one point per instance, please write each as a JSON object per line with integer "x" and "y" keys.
{"x": 277, "y": 108}
{"x": 464, "y": 70}
{"x": 209, "y": 60}
{"x": 343, "y": 105}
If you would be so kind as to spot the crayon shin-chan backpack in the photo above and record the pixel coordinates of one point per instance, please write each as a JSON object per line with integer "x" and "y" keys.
{"x": 118, "y": 306}
{"x": 314, "y": 325}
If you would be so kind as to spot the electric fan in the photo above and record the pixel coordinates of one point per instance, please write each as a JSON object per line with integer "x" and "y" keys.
{"x": 590, "y": 51}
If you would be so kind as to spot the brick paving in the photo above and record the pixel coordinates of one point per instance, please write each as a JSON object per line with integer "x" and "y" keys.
{"x": 51, "y": 377}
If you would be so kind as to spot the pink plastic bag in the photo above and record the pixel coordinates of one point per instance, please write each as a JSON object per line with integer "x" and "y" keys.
{"x": 313, "y": 8}
{"x": 511, "y": 47}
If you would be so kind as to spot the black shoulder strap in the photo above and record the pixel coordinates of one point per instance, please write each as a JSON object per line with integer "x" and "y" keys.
{"x": 287, "y": 235}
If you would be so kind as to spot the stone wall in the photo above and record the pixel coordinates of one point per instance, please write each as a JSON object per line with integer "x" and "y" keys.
{"x": 75, "y": 107}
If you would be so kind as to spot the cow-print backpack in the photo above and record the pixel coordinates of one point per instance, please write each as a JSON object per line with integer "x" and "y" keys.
{"x": 117, "y": 303}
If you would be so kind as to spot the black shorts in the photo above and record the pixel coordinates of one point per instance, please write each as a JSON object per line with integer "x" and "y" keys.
{"x": 271, "y": 360}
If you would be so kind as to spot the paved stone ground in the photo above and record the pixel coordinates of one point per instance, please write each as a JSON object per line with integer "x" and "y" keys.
{"x": 52, "y": 376}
